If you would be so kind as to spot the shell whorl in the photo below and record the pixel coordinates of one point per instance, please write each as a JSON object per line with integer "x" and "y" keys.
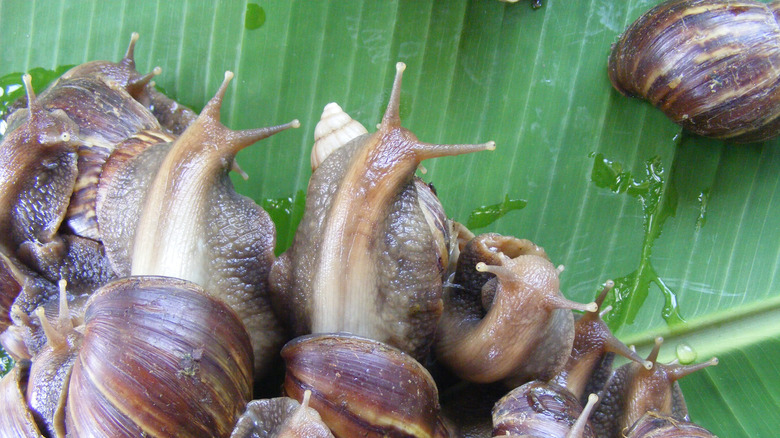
{"x": 335, "y": 129}
{"x": 709, "y": 65}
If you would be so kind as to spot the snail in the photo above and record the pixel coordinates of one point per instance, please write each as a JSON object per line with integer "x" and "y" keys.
{"x": 516, "y": 325}
{"x": 594, "y": 348}
{"x": 365, "y": 258}
{"x": 281, "y": 417}
{"x": 536, "y": 409}
{"x": 38, "y": 169}
{"x": 633, "y": 390}
{"x": 38, "y": 173}
{"x": 184, "y": 367}
{"x": 133, "y": 165}
{"x": 363, "y": 387}
{"x": 707, "y": 64}
{"x": 552, "y": 408}
{"x": 654, "y": 425}
{"x": 97, "y": 97}
{"x": 208, "y": 234}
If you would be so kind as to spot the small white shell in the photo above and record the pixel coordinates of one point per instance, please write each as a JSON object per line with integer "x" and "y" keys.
{"x": 335, "y": 129}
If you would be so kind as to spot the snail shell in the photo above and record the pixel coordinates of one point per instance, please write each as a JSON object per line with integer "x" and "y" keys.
{"x": 709, "y": 65}
{"x": 538, "y": 409}
{"x": 184, "y": 367}
{"x": 335, "y": 129}
{"x": 363, "y": 387}
{"x": 654, "y": 425}
{"x": 281, "y": 417}
{"x": 16, "y": 419}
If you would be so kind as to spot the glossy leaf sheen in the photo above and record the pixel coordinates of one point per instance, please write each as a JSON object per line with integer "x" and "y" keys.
{"x": 696, "y": 260}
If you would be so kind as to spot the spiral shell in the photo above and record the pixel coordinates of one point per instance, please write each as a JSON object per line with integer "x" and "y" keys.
{"x": 335, "y": 129}
{"x": 280, "y": 417}
{"x": 709, "y": 65}
{"x": 362, "y": 387}
{"x": 538, "y": 409}
{"x": 16, "y": 419}
{"x": 184, "y": 369}
{"x": 654, "y": 425}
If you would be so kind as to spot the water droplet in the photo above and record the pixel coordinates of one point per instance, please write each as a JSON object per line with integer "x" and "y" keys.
{"x": 685, "y": 353}
{"x": 704, "y": 199}
{"x": 255, "y": 16}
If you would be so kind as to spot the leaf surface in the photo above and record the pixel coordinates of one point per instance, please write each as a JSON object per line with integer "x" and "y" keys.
{"x": 688, "y": 227}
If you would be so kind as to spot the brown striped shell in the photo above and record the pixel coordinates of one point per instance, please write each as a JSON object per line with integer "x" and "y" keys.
{"x": 363, "y": 387}
{"x": 709, "y": 65}
{"x": 538, "y": 409}
{"x": 16, "y": 419}
{"x": 184, "y": 367}
{"x": 654, "y": 425}
{"x": 281, "y": 417}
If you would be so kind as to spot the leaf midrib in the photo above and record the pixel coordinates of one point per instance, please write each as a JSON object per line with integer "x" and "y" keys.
{"x": 716, "y": 333}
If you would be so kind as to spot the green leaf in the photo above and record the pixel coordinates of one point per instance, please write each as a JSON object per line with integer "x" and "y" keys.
{"x": 688, "y": 227}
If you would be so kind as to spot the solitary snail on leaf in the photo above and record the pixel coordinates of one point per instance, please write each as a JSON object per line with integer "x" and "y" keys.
{"x": 709, "y": 65}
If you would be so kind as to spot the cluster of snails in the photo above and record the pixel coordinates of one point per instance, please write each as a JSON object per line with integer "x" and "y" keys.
{"x": 142, "y": 296}
{"x": 709, "y": 65}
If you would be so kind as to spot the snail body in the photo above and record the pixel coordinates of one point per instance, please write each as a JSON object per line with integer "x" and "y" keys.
{"x": 51, "y": 367}
{"x": 707, "y": 64}
{"x": 593, "y": 350}
{"x": 633, "y": 390}
{"x": 365, "y": 259}
{"x": 209, "y": 234}
{"x": 561, "y": 407}
{"x": 527, "y": 330}
{"x": 38, "y": 169}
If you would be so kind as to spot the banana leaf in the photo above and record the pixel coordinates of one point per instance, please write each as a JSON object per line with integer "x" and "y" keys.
{"x": 688, "y": 228}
